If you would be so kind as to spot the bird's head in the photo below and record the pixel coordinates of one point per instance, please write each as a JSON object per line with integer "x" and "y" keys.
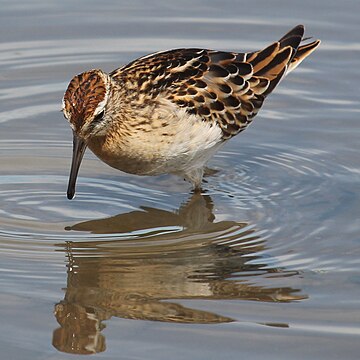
{"x": 84, "y": 103}
{"x": 84, "y": 106}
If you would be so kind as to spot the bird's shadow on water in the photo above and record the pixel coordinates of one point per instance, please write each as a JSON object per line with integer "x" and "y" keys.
{"x": 150, "y": 258}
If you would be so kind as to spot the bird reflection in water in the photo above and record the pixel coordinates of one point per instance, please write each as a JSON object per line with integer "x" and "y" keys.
{"x": 159, "y": 255}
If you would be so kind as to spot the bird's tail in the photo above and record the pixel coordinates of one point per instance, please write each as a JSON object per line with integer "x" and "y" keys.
{"x": 281, "y": 57}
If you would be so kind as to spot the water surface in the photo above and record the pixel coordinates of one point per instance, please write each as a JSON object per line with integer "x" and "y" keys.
{"x": 264, "y": 264}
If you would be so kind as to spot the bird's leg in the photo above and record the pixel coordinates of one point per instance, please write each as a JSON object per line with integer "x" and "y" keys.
{"x": 195, "y": 176}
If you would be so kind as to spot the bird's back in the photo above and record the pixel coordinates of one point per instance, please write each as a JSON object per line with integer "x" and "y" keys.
{"x": 226, "y": 89}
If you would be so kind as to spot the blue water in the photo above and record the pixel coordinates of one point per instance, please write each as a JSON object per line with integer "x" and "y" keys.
{"x": 265, "y": 264}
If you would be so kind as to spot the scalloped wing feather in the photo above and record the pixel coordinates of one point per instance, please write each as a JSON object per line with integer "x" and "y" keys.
{"x": 223, "y": 88}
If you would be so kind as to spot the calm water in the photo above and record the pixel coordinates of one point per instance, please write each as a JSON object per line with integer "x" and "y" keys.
{"x": 264, "y": 265}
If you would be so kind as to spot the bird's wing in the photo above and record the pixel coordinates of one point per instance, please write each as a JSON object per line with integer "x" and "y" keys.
{"x": 223, "y": 87}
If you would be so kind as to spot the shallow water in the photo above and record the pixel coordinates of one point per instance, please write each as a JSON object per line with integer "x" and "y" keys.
{"x": 264, "y": 264}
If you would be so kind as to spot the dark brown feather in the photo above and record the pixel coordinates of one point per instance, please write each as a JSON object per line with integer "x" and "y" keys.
{"x": 82, "y": 96}
{"x": 225, "y": 88}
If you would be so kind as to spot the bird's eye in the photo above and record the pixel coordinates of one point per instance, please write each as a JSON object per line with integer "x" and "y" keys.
{"x": 99, "y": 116}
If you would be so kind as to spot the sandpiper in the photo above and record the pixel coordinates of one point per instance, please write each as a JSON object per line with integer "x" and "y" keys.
{"x": 170, "y": 111}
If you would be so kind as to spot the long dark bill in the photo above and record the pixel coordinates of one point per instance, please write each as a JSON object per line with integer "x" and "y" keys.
{"x": 79, "y": 147}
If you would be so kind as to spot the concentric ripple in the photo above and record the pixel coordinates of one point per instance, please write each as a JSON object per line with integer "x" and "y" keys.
{"x": 273, "y": 240}
{"x": 290, "y": 193}
{"x": 121, "y": 223}
{"x": 267, "y": 174}
{"x": 36, "y": 205}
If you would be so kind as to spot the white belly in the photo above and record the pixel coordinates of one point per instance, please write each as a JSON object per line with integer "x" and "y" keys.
{"x": 173, "y": 141}
{"x": 192, "y": 143}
